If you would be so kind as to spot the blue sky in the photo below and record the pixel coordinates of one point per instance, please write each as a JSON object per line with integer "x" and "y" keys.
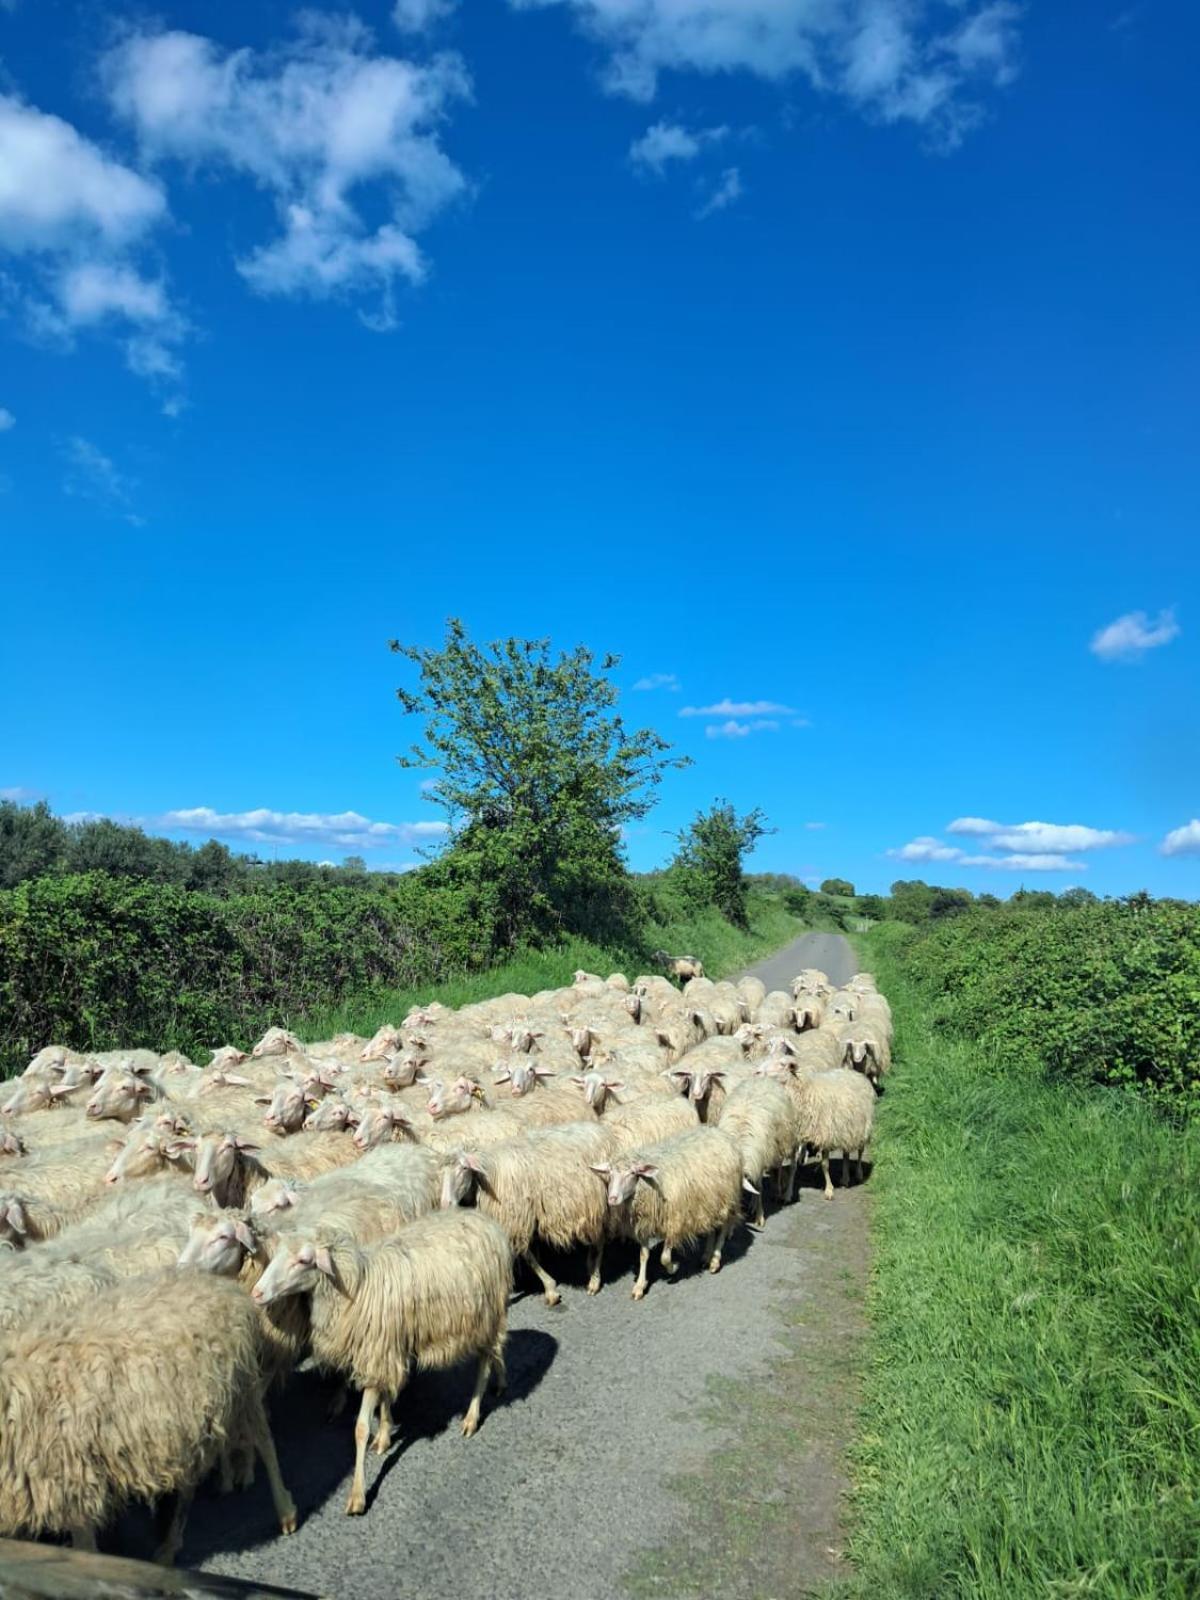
{"x": 834, "y": 356}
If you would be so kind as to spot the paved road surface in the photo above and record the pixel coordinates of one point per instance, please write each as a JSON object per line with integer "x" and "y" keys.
{"x": 565, "y": 1484}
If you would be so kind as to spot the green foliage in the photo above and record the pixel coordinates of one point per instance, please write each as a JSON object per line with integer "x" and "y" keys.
{"x": 1101, "y": 993}
{"x": 873, "y": 906}
{"x": 708, "y": 863}
{"x": 1032, "y": 1410}
{"x": 32, "y": 841}
{"x": 840, "y": 886}
{"x": 537, "y": 774}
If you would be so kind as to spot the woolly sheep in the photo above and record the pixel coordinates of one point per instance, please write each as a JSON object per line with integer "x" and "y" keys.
{"x": 121, "y": 1095}
{"x": 777, "y": 1010}
{"x": 277, "y": 1042}
{"x": 680, "y": 1190}
{"x": 843, "y": 1007}
{"x": 11, "y": 1144}
{"x": 537, "y": 1097}
{"x": 598, "y": 1086}
{"x": 433, "y": 1296}
{"x": 650, "y": 1121}
{"x": 836, "y": 1110}
{"x": 175, "y": 1357}
{"x": 753, "y": 991}
{"x": 811, "y": 981}
{"x": 764, "y": 1124}
{"x": 865, "y": 1048}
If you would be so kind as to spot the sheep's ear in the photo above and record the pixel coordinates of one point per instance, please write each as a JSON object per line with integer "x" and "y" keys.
{"x": 544, "y": 1072}
{"x": 58, "y": 1090}
{"x": 143, "y": 1090}
{"x": 262, "y": 1099}
{"x": 352, "y": 1117}
{"x": 645, "y": 1169}
{"x": 471, "y": 1161}
{"x": 748, "y": 1186}
{"x": 245, "y": 1236}
{"x": 323, "y": 1261}
{"x": 246, "y": 1146}
{"x": 578, "y": 1081}
{"x": 174, "y": 1148}
{"x": 501, "y": 1077}
{"x": 602, "y": 1167}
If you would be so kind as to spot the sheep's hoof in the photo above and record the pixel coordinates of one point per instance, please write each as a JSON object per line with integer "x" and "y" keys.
{"x": 553, "y": 1298}
{"x": 287, "y": 1524}
{"x": 356, "y": 1505}
{"x": 593, "y": 1286}
{"x": 715, "y": 1264}
{"x": 639, "y": 1291}
{"x": 829, "y": 1194}
{"x": 382, "y": 1443}
{"x": 470, "y": 1424}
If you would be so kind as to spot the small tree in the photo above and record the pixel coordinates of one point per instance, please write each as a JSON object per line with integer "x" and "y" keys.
{"x": 537, "y": 776}
{"x": 33, "y": 842}
{"x": 709, "y": 859}
{"x": 841, "y": 886}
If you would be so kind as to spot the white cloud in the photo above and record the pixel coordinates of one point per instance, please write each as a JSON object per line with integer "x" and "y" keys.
{"x": 728, "y": 730}
{"x": 1133, "y": 634}
{"x": 415, "y": 16}
{"x": 815, "y": 825}
{"x": 19, "y": 793}
{"x": 893, "y": 60}
{"x": 926, "y": 849}
{"x": 1183, "y": 841}
{"x": 659, "y": 680}
{"x": 975, "y": 825}
{"x": 74, "y": 214}
{"x": 91, "y": 475}
{"x": 727, "y": 191}
{"x": 1024, "y": 863}
{"x": 737, "y": 708}
{"x": 335, "y": 132}
{"x": 264, "y": 826}
{"x": 7, "y": 420}
{"x": 664, "y": 142}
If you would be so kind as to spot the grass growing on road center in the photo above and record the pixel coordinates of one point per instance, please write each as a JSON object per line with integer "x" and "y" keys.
{"x": 1032, "y": 1421}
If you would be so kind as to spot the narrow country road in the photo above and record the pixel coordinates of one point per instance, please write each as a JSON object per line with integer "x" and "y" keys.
{"x": 602, "y": 1471}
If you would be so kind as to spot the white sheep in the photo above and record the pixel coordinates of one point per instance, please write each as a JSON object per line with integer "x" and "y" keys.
{"x": 765, "y": 1125}
{"x": 130, "y": 1399}
{"x": 836, "y": 1111}
{"x": 433, "y": 1296}
{"x": 649, "y": 1121}
{"x": 683, "y": 1189}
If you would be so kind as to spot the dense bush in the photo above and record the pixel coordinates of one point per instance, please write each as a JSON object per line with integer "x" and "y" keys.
{"x": 1105, "y": 993}
{"x": 97, "y": 961}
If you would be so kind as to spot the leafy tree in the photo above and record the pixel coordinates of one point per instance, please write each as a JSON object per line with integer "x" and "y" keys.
{"x": 537, "y": 775}
{"x": 214, "y": 869}
{"x": 709, "y": 858}
{"x": 1078, "y": 896}
{"x": 841, "y": 886}
{"x": 126, "y": 852}
{"x": 873, "y": 906}
{"x": 33, "y": 842}
{"x": 912, "y": 900}
{"x": 949, "y": 902}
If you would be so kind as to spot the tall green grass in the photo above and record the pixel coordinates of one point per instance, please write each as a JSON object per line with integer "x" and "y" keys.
{"x": 722, "y": 947}
{"x": 1032, "y": 1415}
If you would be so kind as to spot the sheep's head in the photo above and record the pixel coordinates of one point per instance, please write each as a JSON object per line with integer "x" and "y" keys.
{"x": 375, "y": 1124}
{"x": 274, "y": 1198}
{"x": 597, "y": 1088}
{"x": 521, "y": 1076}
{"x": 703, "y": 1080}
{"x": 403, "y": 1070}
{"x": 219, "y": 1244}
{"x": 459, "y": 1177}
{"x": 295, "y": 1268}
{"x": 633, "y": 1004}
{"x": 448, "y": 1100}
{"x": 623, "y": 1178}
{"x": 11, "y": 1144}
{"x": 382, "y": 1044}
{"x": 331, "y": 1115}
{"x": 286, "y": 1105}
{"x": 276, "y": 1042}
{"x": 14, "y": 1225}
{"x": 217, "y": 1158}
{"x": 119, "y": 1095}
{"x": 150, "y": 1146}
{"x": 228, "y": 1055}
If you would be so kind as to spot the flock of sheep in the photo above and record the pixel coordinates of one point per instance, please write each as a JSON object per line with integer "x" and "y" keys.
{"x": 175, "y": 1240}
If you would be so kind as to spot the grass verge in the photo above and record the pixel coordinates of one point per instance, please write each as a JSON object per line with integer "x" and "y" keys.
{"x": 722, "y": 947}
{"x": 1032, "y": 1413}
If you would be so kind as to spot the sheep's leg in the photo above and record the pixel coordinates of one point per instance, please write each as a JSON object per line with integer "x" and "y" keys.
{"x": 172, "y": 1539}
{"x": 338, "y": 1403}
{"x": 383, "y": 1434}
{"x": 714, "y": 1260}
{"x": 845, "y": 1169}
{"x": 639, "y": 1288}
{"x": 667, "y": 1261}
{"x": 471, "y": 1420}
{"x": 549, "y": 1287}
{"x": 285, "y": 1506}
{"x": 83, "y": 1537}
{"x": 825, "y": 1170}
{"x": 595, "y": 1257}
{"x": 357, "y": 1502}
{"x": 760, "y": 1215}
{"x": 499, "y": 1369}
{"x": 858, "y": 1166}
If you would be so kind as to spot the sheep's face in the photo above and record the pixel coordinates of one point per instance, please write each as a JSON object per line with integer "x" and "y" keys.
{"x": 329, "y": 1116}
{"x": 376, "y": 1125}
{"x": 596, "y": 1088}
{"x": 295, "y": 1269}
{"x": 459, "y": 1177}
{"x": 148, "y": 1148}
{"x": 622, "y": 1180}
{"x": 228, "y": 1056}
{"x": 275, "y": 1198}
{"x": 276, "y": 1042}
{"x": 778, "y": 1067}
{"x": 51, "y": 1058}
{"x": 633, "y": 1004}
{"x": 402, "y": 1071}
{"x": 522, "y": 1077}
{"x": 285, "y": 1105}
{"x": 453, "y": 1099}
{"x": 807, "y": 1013}
{"x": 382, "y": 1044}
{"x": 681, "y": 1079}
{"x": 702, "y": 1083}
{"x": 118, "y": 1097}
{"x": 217, "y": 1158}
{"x": 218, "y": 1244}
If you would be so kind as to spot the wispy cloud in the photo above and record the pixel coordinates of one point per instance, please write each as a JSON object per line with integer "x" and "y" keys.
{"x": 733, "y": 729}
{"x": 417, "y": 16}
{"x": 264, "y": 826}
{"x": 1183, "y": 841}
{"x": 7, "y": 420}
{"x": 892, "y": 60}
{"x": 659, "y": 680}
{"x": 738, "y": 708}
{"x": 1130, "y": 636}
{"x": 1039, "y": 837}
{"x": 91, "y": 475}
{"x": 926, "y": 848}
{"x": 727, "y": 192}
{"x": 19, "y": 793}
{"x": 343, "y": 138}
{"x": 1024, "y": 863}
{"x": 666, "y": 142}
{"x": 815, "y": 825}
